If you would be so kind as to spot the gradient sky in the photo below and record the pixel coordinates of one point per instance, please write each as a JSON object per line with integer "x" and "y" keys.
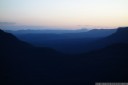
{"x": 65, "y": 13}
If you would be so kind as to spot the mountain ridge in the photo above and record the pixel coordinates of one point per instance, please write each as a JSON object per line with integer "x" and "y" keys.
{"x": 36, "y": 66}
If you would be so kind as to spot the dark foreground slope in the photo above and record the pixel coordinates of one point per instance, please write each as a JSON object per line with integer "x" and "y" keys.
{"x": 23, "y": 64}
{"x": 110, "y": 61}
{"x": 22, "y": 61}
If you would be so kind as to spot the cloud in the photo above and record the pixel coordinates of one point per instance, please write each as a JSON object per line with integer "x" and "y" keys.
{"x": 6, "y": 23}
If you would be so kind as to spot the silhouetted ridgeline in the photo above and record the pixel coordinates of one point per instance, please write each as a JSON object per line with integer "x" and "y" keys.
{"x": 120, "y": 36}
{"x": 11, "y": 44}
{"x": 24, "y": 64}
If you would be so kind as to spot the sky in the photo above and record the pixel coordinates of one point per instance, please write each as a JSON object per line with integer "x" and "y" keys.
{"x": 65, "y": 13}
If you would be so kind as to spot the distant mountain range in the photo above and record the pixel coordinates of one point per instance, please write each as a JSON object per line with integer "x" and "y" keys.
{"x": 67, "y": 33}
{"x": 23, "y": 63}
{"x": 72, "y": 42}
{"x": 28, "y": 31}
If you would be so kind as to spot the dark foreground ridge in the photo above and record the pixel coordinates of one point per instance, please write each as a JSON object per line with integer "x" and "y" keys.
{"x": 24, "y": 64}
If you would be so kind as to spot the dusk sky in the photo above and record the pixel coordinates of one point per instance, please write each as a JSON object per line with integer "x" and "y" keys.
{"x": 65, "y": 13}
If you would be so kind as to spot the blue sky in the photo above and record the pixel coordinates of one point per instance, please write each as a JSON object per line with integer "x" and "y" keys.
{"x": 65, "y": 13}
